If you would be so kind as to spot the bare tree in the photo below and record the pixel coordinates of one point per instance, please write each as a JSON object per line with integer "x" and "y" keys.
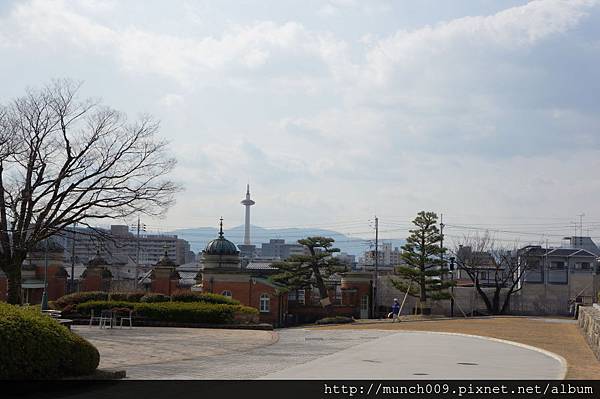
{"x": 65, "y": 161}
{"x": 496, "y": 273}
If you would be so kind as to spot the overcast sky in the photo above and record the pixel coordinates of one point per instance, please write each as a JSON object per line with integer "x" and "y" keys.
{"x": 334, "y": 111}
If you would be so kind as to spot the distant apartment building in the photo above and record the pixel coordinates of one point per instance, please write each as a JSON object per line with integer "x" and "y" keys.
{"x": 556, "y": 278}
{"x": 387, "y": 258}
{"x": 347, "y": 259}
{"x": 279, "y": 249}
{"x": 119, "y": 243}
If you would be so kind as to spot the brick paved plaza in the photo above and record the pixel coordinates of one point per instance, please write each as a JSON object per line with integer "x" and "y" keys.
{"x": 179, "y": 353}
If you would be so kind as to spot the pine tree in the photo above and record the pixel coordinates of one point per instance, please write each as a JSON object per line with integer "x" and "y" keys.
{"x": 423, "y": 274}
{"x": 306, "y": 271}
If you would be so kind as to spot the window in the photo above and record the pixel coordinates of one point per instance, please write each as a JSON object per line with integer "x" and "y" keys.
{"x": 226, "y": 293}
{"x": 296, "y": 296}
{"x": 265, "y": 303}
{"x": 534, "y": 272}
{"x": 583, "y": 266}
{"x": 557, "y": 273}
{"x": 557, "y": 265}
{"x": 364, "y": 302}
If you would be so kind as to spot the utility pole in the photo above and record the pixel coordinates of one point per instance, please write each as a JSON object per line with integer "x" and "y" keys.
{"x": 452, "y": 287}
{"x": 442, "y": 239}
{"x": 137, "y": 256}
{"x": 376, "y": 267}
{"x": 442, "y": 258}
{"x": 73, "y": 258}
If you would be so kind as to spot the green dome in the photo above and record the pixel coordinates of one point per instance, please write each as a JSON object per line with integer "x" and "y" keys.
{"x": 221, "y": 246}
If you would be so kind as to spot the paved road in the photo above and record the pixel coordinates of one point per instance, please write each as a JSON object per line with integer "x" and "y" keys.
{"x": 421, "y": 355}
{"x": 174, "y": 353}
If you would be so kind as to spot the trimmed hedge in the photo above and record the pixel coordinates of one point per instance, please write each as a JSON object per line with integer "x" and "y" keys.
{"x": 179, "y": 312}
{"x": 134, "y": 296}
{"x": 80, "y": 297}
{"x": 155, "y": 297}
{"x": 35, "y": 346}
{"x": 190, "y": 296}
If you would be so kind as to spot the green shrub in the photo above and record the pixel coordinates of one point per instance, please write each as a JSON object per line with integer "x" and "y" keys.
{"x": 35, "y": 346}
{"x": 80, "y": 297}
{"x": 245, "y": 309}
{"x": 187, "y": 312}
{"x": 155, "y": 297}
{"x": 133, "y": 296}
{"x": 178, "y": 312}
{"x": 335, "y": 320}
{"x": 190, "y": 296}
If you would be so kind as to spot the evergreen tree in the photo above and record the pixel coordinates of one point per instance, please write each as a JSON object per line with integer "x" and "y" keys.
{"x": 423, "y": 274}
{"x": 307, "y": 271}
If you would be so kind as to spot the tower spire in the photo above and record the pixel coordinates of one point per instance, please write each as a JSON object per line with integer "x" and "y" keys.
{"x": 221, "y": 227}
{"x": 247, "y": 203}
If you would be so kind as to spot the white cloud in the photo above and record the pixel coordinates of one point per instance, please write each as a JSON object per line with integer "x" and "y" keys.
{"x": 460, "y": 39}
{"x": 172, "y": 100}
{"x": 472, "y": 113}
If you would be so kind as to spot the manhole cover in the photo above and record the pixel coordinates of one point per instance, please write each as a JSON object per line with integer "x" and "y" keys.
{"x": 468, "y": 364}
{"x": 420, "y": 374}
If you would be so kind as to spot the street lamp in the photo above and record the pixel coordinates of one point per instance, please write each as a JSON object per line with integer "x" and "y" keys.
{"x": 45, "y": 293}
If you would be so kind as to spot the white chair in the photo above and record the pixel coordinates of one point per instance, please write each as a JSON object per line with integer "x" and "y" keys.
{"x": 106, "y": 316}
{"x": 94, "y": 318}
{"x": 127, "y": 318}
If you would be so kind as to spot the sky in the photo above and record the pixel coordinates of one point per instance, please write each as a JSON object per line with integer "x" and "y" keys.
{"x": 336, "y": 111}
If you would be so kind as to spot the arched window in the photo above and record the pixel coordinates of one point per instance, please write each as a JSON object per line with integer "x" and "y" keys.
{"x": 265, "y": 301}
{"x": 226, "y": 293}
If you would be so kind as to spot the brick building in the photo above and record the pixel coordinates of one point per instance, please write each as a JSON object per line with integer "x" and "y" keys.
{"x": 222, "y": 274}
{"x": 45, "y": 262}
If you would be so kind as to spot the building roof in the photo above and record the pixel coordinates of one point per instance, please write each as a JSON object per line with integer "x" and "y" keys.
{"x": 53, "y": 246}
{"x": 187, "y": 278}
{"x": 260, "y": 266}
{"x": 221, "y": 245}
{"x": 97, "y": 260}
{"x": 559, "y": 252}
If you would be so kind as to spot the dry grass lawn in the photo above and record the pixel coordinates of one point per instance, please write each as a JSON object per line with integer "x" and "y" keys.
{"x": 564, "y": 339}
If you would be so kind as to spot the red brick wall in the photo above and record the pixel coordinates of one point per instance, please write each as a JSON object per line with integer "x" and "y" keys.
{"x": 57, "y": 287}
{"x": 249, "y": 293}
{"x": 353, "y": 298}
{"x": 91, "y": 283}
{"x": 164, "y": 286}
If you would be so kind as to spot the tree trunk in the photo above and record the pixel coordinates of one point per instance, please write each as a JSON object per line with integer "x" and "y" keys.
{"x": 483, "y": 296}
{"x": 322, "y": 289}
{"x": 13, "y": 274}
{"x": 506, "y": 304}
{"x": 496, "y": 301}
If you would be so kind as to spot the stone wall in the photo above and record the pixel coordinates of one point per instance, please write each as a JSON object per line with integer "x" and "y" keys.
{"x": 589, "y": 322}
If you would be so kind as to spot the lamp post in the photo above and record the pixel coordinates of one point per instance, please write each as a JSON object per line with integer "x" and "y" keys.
{"x": 45, "y": 293}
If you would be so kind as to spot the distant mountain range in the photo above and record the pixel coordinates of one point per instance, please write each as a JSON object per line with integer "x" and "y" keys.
{"x": 199, "y": 237}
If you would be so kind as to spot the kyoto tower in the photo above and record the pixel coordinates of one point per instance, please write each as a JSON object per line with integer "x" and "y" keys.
{"x": 247, "y": 203}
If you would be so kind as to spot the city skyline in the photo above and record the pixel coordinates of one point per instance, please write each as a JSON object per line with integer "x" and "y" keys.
{"x": 341, "y": 110}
